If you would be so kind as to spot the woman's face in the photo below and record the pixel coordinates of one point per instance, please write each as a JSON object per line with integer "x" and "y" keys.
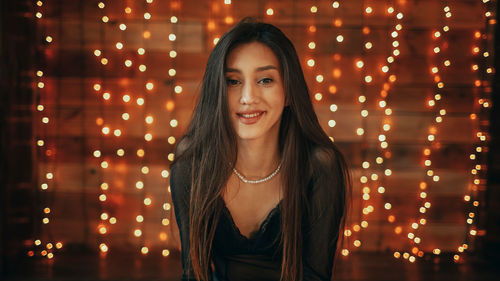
{"x": 255, "y": 91}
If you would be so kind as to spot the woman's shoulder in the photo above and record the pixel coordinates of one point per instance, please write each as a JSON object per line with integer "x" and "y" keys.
{"x": 325, "y": 161}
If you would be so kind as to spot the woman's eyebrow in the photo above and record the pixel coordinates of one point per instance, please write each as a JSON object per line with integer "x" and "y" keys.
{"x": 258, "y": 69}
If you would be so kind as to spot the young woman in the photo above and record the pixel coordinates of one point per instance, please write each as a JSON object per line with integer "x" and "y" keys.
{"x": 259, "y": 190}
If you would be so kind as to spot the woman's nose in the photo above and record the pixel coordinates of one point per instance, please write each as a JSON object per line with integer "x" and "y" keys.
{"x": 248, "y": 94}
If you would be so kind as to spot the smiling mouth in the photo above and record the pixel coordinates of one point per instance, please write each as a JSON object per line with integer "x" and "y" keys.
{"x": 250, "y": 118}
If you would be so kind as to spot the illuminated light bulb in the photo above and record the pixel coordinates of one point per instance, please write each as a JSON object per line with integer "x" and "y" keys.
{"x": 437, "y": 50}
{"x": 126, "y": 98}
{"x": 123, "y": 26}
{"x": 41, "y": 85}
{"x": 137, "y": 232}
{"x": 335, "y": 4}
{"x": 147, "y": 16}
{"x": 172, "y": 54}
{"x": 340, "y": 38}
{"x": 399, "y": 27}
{"x": 318, "y": 96}
{"x": 319, "y": 78}
{"x": 312, "y": 28}
{"x": 139, "y": 218}
{"x": 437, "y": 34}
{"x": 310, "y": 62}
{"x": 382, "y": 103}
{"x": 381, "y": 189}
{"x": 140, "y": 152}
{"x": 140, "y": 101}
{"x": 48, "y": 39}
{"x": 395, "y": 44}
{"x": 149, "y": 119}
{"x": 171, "y": 72}
{"x": 145, "y": 170}
{"x": 44, "y": 186}
{"x": 105, "y": 130}
{"x": 332, "y": 123}
{"x": 105, "y": 19}
{"x": 394, "y": 34}
{"x": 368, "y": 79}
{"x": 270, "y": 12}
{"x": 125, "y": 116}
{"x": 103, "y": 248}
{"x": 313, "y": 9}
{"x": 104, "y": 61}
{"x": 40, "y": 143}
{"x": 112, "y": 220}
{"x": 399, "y": 16}
{"x": 97, "y": 153}
{"x": 45, "y": 220}
{"x": 360, "y": 131}
{"x": 39, "y": 73}
{"x": 166, "y": 206}
{"x": 361, "y": 99}
{"x": 128, "y": 63}
{"x": 229, "y": 20}
{"x": 164, "y": 174}
{"x": 435, "y": 178}
{"x": 357, "y": 243}
{"x": 149, "y": 86}
{"x": 142, "y": 68}
{"x": 178, "y": 89}
{"x": 104, "y": 216}
{"x": 49, "y": 176}
{"x": 364, "y": 112}
{"x": 106, "y": 96}
{"x": 119, "y": 45}
{"x": 102, "y": 197}
{"x": 381, "y": 137}
{"x": 437, "y": 96}
{"x": 423, "y": 210}
{"x": 165, "y": 222}
{"x": 45, "y": 120}
{"x": 39, "y": 3}
{"x": 333, "y": 107}
{"x": 148, "y": 137}
{"x": 38, "y": 15}
{"x": 141, "y": 51}
{"x": 390, "y": 59}
{"x": 174, "y": 19}
{"x": 165, "y": 252}
{"x": 396, "y": 52}
{"x": 359, "y": 64}
{"x": 147, "y": 201}
{"x": 170, "y": 157}
{"x": 385, "y": 68}
{"x": 117, "y": 132}
{"x": 368, "y": 10}
{"x": 128, "y": 10}
{"x": 311, "y": 45}
{"x": 139, "y": 185}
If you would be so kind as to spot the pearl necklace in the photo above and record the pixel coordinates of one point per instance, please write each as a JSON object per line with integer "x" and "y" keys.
{"x": 243, "y": 179}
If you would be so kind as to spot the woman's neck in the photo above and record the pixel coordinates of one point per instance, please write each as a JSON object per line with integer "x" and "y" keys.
{"x": 258, "y": 157}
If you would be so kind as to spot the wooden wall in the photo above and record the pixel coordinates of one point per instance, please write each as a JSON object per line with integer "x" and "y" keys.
{"x": 73, "y": 106}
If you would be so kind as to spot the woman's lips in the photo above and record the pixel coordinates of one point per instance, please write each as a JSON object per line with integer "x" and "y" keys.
{"x": 249, "y": 118}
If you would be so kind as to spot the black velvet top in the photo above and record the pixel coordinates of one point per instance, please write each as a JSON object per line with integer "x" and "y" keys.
{"x": 259, "y": 257}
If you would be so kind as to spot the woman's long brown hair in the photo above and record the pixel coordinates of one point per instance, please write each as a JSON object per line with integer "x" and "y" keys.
{"x": 209, "y": 147}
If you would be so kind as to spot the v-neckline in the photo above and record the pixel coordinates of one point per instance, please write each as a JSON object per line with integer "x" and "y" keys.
{"x": 261, "y": 228}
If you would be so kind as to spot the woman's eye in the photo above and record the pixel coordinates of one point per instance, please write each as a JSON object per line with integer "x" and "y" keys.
{"x": 266, "y": 81}
{"x": 232, "y": 82}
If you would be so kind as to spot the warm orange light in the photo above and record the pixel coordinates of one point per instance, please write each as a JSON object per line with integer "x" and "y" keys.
{"x": 312, "y": 28}
{"x": 391, "y": 218}
{"x": 398, "y": 229}
{"x": 211, "y": 25}
{"x": 146, "y": 34}
{"x": 229, "y": 20}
